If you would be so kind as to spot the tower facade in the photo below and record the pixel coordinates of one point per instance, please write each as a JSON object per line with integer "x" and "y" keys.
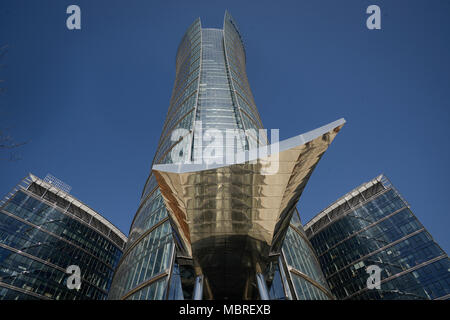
{"x": 374, "y": 226}
{"x": 43, "y": 231}
{"x": 218, "y": 202}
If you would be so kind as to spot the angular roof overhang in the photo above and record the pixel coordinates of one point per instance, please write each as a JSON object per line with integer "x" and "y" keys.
{"x": 235, "y": 215}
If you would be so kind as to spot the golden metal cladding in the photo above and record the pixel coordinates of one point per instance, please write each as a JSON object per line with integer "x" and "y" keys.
{"x": 231, "y": 219}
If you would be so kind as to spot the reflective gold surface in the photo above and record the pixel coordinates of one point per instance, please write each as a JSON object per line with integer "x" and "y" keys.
{"x": 232, "y": 219}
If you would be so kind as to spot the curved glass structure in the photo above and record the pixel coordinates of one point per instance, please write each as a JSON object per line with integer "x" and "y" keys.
{"x": 374, "y": 226}
{"x": 169, "y": 254}
{"x": 44, "y": 230}
{"x": 308, "y": 282}
{"x": 298, "y": 274}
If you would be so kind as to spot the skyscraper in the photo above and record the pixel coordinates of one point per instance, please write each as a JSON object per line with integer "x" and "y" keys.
{"x": 43, "y": 231}
{"x": 219, "y": 200}
{"x": 373, "y": 225}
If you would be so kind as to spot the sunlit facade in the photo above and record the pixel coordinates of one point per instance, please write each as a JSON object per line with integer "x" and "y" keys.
{"x": 217, "y": 231}
{"x": 43, "y": 231}
{"x": 374, "y": 225}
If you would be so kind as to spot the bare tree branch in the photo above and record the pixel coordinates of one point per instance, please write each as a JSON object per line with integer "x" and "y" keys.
{"x": 7, "y": 142}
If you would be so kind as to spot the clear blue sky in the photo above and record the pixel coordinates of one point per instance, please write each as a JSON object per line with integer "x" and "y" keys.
{"x": 93, "y": 101}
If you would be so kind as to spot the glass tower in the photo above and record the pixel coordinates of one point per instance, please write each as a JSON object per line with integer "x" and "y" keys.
{"x": 373, "y": 225}
{"x": 43, "y": 231}
{"x": 212, "y": 232}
